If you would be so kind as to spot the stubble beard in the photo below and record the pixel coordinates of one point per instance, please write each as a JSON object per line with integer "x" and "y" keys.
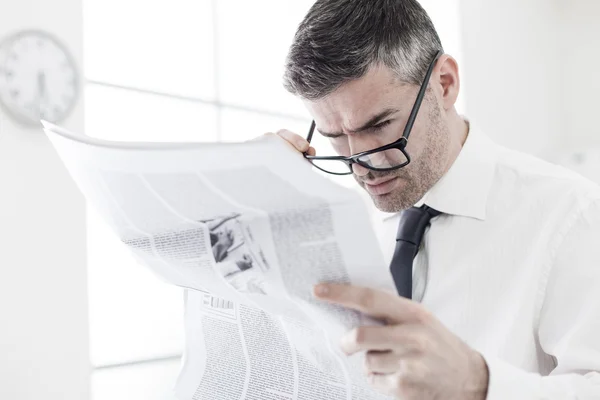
{"x": 421, "y": 174}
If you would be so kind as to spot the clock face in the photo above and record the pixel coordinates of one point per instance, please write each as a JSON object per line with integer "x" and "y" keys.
{"x": 38, "y": 78}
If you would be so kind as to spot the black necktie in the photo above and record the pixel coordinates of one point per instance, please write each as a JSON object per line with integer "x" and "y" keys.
{"x": 411, "y": 228}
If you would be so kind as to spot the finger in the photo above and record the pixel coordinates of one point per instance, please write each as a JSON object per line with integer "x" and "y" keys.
{"x": 368, "y": 338}
{"x": 300, "y": 143}
{"x": 311, "y": 151}
{"x": 384, "y": 383}
{"x": 375, "y": 303}
{"x": 402, "y": 339}
{"x": 382, "y": 362}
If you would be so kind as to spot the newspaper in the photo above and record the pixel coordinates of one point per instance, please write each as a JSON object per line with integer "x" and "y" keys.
{"x": 247, "y": 229}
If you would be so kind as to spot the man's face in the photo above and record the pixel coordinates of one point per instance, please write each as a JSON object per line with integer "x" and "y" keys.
{"x": 341, "y": 115}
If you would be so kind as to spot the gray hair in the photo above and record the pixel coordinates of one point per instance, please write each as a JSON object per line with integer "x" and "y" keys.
{"x": 339, "y": 40}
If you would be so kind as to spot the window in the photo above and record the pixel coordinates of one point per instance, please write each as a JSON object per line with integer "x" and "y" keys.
{"x": 180, "y": 70}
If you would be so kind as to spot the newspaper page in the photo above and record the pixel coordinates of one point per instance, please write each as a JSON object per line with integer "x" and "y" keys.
{"x": 247, "y": 229}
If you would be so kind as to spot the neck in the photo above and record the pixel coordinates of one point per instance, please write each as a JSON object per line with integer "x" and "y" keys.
{"x": 459, "y": 130}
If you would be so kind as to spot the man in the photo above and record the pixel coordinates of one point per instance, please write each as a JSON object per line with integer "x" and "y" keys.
{"x": 506, "y": 296}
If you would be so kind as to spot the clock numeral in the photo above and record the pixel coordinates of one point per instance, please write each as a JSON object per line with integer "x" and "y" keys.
{"x": 14, "y": 93}
{"x": 8, "y": 74}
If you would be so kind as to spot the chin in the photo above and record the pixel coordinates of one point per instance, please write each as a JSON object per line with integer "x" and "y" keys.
{"x": 390, "y": 203}
{"x": 403, "y": 197}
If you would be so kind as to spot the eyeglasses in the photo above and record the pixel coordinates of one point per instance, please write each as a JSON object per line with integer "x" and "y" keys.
{"x": 385, "y": 158}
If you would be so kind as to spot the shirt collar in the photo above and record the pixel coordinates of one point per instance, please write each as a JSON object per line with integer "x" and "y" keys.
{"x": 464, "y": 189}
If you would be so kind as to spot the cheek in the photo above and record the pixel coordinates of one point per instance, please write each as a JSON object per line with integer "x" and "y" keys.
{"x": 418, "y": 140}
{"x": 428, "y": 147}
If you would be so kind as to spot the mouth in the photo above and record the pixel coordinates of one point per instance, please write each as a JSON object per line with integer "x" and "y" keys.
{"x": 380, "y": 187}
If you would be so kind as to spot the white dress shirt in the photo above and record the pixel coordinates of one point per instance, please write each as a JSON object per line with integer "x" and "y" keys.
{"x": 513, "y": 268}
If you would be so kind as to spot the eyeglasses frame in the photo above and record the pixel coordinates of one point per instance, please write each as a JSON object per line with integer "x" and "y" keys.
{"x": 399, "y": 144}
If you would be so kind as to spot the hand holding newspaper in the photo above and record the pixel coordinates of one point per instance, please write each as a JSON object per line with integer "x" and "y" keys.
{"x": 247, "y": 229}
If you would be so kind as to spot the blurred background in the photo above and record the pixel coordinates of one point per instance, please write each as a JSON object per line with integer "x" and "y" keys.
{"x": 79, "y": 319}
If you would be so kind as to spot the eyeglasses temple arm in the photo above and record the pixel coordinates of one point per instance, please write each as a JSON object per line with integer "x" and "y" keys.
{"x": 311, "y": 131}
{"x": 415, "y": 110}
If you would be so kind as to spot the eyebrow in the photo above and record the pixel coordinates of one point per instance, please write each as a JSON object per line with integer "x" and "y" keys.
{"x": 369, "y": 124}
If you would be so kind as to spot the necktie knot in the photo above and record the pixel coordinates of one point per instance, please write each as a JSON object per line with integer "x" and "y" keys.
{"x": 413, "y": 223}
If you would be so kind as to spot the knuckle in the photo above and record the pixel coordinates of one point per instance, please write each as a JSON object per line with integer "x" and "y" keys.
{"x": 294, "y": 139}
{"x": 423, "y": 316}
{"x": 419, "y": 343}
{"x": 366, "y": 298}
{"x": 417, "y": 340}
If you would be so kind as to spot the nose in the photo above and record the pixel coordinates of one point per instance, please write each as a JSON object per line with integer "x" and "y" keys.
{"x": 359, "y": 170}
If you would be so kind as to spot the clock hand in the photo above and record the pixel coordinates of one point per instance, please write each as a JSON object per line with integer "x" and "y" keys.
{"x": 42, "y": 94}
{"x": 42, "y": 84}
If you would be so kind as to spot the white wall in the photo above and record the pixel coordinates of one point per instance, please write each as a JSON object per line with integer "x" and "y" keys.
{"x": 512, "y": 70}
{"x": 580, "y": 53}
{"x": 43, "y": 305}
{"x": 530, "y": 71}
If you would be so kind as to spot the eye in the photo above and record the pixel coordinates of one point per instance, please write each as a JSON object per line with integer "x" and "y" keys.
{"x": 338, "y": 138}
{"x": 382, "y": 124}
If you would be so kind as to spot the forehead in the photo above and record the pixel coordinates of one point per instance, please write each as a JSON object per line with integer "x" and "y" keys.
{"x": 353, "y": 103}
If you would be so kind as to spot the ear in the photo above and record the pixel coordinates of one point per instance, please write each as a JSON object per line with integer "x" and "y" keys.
{"x": 448, "y": 81}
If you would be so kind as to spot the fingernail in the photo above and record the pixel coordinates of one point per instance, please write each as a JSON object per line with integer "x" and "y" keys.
{"x": 321, "y": 290}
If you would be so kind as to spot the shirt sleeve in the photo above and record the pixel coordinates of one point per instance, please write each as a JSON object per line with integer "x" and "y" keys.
{"x": 569, "y": 325}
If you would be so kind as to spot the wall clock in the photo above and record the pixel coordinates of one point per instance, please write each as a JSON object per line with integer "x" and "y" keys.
{"x": 38, "y": 78}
